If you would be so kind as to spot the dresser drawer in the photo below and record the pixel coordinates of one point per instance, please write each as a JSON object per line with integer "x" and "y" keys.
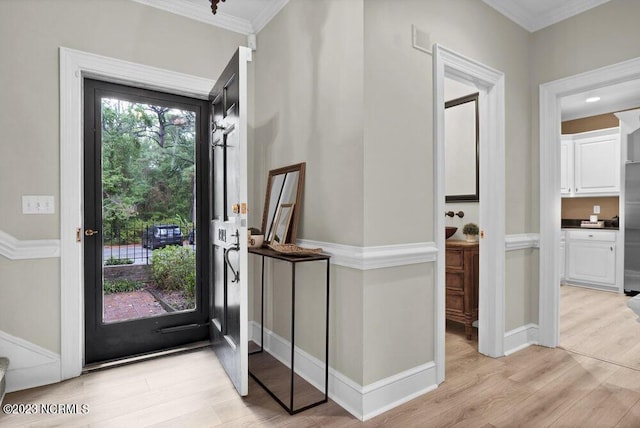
{"x": 455, "y": 302}
{"x": 592, "y": 235}
{"x": 454, "y": 259}
{"x": 454, "y": 280}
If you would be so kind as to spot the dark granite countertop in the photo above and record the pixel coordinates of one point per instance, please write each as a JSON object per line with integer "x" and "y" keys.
{"x": 571, "y": 223}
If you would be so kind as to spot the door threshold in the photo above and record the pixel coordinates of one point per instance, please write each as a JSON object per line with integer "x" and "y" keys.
{"x": 144, "y": 357}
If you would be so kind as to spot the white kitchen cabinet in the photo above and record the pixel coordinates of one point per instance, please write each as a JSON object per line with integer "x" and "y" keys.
{"x": 566, "y": 165}
{"x": 591, "y": 257}
{"x": 590, "y": 163}
{"x": 563, "y": 258}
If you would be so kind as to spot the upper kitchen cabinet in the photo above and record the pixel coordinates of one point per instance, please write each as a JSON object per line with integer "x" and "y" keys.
{"x": 566, "y": 168}
{"x": 591, "y": 163}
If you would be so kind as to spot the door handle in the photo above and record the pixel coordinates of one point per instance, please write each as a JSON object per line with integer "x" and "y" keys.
{"x": 90, "y": 232}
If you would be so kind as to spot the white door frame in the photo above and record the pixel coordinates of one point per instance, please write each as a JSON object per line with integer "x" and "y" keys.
{"x": 550, "y": 202}
{"x": 491, "y": 311}
{"x": 74, "y": 67}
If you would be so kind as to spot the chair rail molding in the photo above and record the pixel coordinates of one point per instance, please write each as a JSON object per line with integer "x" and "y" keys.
{"x": 375, "y": 257}
{"x": 15, "y": 249}
{"x": 522, "y": 241}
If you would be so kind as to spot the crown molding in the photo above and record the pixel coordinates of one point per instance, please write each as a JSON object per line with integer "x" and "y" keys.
{"x": 267, "y": 14}
{"x": 532, "y": 22}
{"x": 202, "y": 13}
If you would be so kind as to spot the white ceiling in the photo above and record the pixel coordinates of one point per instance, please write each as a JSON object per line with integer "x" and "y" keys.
{"x": 533, "y": 15}
{"x": 251, "y": 16}
{"x": 613, "y": 98}
{"x": 242, "y": 16}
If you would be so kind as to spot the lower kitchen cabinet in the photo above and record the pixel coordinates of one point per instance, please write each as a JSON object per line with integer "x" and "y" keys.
{"x": 591, "y": 258}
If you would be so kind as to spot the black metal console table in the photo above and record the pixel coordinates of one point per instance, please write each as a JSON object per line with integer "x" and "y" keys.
{"x": 294, "y": 379}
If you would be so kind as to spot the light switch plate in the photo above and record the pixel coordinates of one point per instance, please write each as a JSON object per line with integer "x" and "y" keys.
{"x": 38, "y": 204}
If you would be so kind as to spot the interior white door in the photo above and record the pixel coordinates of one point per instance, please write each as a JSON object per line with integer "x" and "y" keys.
{"x": 229, "y": 294}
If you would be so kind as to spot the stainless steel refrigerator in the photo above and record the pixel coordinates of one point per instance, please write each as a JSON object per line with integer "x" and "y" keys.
{"x": 632, "y": 227}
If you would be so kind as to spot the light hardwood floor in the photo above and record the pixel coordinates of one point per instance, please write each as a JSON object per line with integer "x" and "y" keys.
{"x": 599, "y": 324}
{"x": 536, "y": 387}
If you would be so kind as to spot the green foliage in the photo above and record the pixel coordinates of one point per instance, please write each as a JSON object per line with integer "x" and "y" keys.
{"x": 174, "y": 268}
{"x": 121, "y": 286}
{"x": 470, "y": 229}
{"x": 112, "y": 261}
{"x": 148, "y": 165}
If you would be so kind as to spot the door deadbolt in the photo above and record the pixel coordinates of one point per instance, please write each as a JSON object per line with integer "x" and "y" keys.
{"x": 90, "y": 232}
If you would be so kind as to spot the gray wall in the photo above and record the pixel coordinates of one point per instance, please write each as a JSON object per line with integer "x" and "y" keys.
{"x": 339, "y": 85}
{"x": 31, "y": 33}
{"x": 308, "y": 107}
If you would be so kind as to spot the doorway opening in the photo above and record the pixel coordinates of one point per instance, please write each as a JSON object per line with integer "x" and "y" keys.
{"x": 550, "y": 202}
{"x": 145, "y": 209}
{"x": 74, "y": 66}
{"x": 462, "y": 206}
{"x": 599, "y": 176}
{"x": 490, "y": 85}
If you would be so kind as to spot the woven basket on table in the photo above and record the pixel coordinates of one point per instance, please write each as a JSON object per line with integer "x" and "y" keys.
{"x": 294, "y": 250}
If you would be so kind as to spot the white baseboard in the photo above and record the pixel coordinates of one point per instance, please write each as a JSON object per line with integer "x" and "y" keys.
{"x": 29, "y": 364}
{"x": 364, "y": 402}
{"x": 520, "y": 338}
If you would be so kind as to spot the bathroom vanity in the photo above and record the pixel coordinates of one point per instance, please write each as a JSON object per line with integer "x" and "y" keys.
{"x": 462, "y": 262}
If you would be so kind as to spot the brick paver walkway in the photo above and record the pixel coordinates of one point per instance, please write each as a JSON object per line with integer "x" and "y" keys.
{"x": 131, "y": 305}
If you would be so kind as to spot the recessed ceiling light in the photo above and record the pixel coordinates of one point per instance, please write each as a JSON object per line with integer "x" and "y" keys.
{"x": 592, "y": 99}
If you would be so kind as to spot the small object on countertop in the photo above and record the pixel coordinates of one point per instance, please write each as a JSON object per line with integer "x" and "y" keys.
{"x": 615, "y": 221}
{"x": 592, "y": 225}
{"x": 256, "y": 241}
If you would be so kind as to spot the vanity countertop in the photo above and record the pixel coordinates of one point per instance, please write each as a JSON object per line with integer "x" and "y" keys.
{"x": 460, "y": 243}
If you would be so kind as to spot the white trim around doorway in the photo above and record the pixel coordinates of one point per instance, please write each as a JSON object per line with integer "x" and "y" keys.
{"x": 490, "y": 83}
{"x": 74, "y": 67}
{"x": 550, "y": 202}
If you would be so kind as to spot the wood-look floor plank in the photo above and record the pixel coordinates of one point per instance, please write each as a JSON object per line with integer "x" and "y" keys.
{"x": 599, "y": 324}
{"x": 534, "y": 387}
{"x": 631, "y": 419}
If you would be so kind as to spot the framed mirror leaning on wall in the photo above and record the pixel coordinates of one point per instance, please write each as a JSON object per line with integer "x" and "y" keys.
{"x": 283, "y": 201}
{"x": 462, "y": 165}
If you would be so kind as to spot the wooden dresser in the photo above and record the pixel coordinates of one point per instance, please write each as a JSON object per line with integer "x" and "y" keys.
{"x": 462, "y": 261}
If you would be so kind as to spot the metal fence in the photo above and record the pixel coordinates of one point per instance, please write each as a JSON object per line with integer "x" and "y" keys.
{"x": 123, "y": 243}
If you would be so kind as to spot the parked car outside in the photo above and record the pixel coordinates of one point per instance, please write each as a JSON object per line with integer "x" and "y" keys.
{"x": 161, "y": 235}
